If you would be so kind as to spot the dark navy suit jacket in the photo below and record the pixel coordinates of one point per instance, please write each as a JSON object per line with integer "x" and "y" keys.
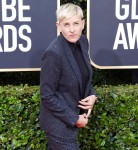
{"x": 61, "y": 87}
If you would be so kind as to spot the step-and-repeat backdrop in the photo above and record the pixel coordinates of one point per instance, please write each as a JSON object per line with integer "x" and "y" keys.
{"x": 27, "y": 27}
{"x": 113, "y": 33}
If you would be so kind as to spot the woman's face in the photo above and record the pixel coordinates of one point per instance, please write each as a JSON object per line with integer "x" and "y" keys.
{"x": 71, "y": 28}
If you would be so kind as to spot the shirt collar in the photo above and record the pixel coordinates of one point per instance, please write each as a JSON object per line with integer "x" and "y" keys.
{"x": 72, "y": 46}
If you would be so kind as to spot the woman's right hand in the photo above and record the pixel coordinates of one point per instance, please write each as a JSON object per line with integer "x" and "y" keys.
{"x": 82, "y": 121}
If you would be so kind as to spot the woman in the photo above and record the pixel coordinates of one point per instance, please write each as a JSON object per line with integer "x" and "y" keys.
{"x": 65, "y": 87}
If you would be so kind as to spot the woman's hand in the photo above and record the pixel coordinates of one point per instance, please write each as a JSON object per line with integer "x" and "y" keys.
{"x": 82, "y": 121}
{"x": 87, "y": 104}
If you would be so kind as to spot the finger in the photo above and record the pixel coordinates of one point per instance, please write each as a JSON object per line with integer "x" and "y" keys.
{"x": 84, "y": 115}
{"x": 85, "y": 99}
{"x": 85, "y": 103}
{"x": 89, "y": 112}
{"x": 85, "y": 107}
{"x": 89, "y": 97}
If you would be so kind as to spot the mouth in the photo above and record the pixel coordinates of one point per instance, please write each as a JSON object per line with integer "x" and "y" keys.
{"x": 73, "y": 35}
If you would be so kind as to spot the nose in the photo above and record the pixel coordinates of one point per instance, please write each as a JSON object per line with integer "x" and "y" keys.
{"x": 71, "y": 28}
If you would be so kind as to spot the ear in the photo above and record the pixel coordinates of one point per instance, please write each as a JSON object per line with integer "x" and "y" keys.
{"x": 83, "y": 24}
{"x": 58, "y": 26}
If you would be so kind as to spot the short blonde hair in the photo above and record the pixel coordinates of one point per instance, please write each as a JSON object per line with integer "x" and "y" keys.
{"x": 68, "y": 10}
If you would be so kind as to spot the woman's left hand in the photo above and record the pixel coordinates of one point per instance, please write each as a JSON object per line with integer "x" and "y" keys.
{"x": 87, "y": 103}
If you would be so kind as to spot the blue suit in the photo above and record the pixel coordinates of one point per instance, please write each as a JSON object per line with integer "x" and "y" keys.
{"x": 61, "y": 87}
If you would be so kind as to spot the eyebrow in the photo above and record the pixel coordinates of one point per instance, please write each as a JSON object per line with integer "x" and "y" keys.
{"x": 65, "y": 23}
{"x": 73, "y": 22}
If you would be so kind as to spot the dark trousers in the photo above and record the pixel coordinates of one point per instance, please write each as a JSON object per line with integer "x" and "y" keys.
{"x": 56, "y": 143}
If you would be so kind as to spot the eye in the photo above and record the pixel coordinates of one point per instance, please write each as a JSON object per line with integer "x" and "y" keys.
{"x": 66, "y": 24}
{"x": 76, "y": 23}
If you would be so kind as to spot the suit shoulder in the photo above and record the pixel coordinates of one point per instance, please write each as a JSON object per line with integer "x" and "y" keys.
{"x": 84, "y": 37}
{"x": 54, "y": 48}
{"x": 84, "y": 42}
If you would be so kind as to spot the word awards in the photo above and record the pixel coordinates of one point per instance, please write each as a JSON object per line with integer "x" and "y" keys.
{"x": 14, "y": 30}
{"x": 127, "y": 33}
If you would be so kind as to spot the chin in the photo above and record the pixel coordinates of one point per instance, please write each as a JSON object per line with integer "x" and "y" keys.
{"x": 73, "y": 40}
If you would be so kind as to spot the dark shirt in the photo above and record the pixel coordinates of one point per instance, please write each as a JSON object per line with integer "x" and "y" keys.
{"x": 77, "y": 52}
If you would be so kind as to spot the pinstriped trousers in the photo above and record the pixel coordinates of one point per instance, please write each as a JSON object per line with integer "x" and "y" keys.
{"x": 56, "y": 143}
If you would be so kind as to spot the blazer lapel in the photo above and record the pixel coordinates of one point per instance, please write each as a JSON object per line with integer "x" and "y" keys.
{"x": 86, "y": 58}
{"x": 87, "y": 61}
{"x": 72, "y": 61}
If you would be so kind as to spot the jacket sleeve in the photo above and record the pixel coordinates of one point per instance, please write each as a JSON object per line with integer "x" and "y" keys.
{"x": 50, "y": 97}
